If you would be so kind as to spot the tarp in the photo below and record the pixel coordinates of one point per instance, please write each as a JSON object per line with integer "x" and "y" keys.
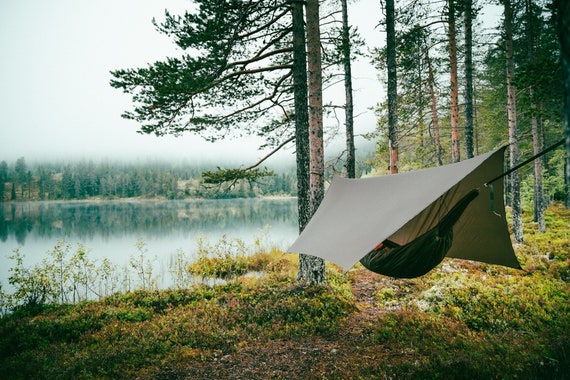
{"x": 358, "y": 214}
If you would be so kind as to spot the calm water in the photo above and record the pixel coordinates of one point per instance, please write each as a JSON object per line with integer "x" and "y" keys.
{"x": 111, "y": 229}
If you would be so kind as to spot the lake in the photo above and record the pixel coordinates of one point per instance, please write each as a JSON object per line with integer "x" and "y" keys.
{"x": 111, "y": 229}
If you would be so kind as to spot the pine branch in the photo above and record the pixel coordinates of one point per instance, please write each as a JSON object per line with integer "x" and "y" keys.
{"x": 270, "y": 153}
{"x": 260, "y": 57}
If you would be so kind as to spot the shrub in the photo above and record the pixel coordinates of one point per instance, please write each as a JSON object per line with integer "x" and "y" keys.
{"x": 121, "y": 335}
{"x": 225, "y": 259}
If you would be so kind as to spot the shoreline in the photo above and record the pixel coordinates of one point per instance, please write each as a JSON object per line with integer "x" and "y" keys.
{"x": 144, "y": 199}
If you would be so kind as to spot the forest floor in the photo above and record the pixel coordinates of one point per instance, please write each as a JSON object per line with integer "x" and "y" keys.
{"x": 355, "y": 352}
{"x": 463, "y": 320}
{"x": 309, "y": 357}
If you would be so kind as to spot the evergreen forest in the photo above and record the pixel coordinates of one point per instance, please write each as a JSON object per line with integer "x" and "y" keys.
{"x": 113, "y": 180}
{"x": 452, "y": 89}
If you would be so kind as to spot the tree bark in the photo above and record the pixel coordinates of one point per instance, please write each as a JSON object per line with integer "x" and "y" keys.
{"x": 564, "y": 36}
{"x": 312, "y": 269}
{"x": 539, "y": 205}
{"x": 434, "y": 115}
{"x": 512, "y": 124}
{"x": 454, "y": 90}
{"x": 348, "y": 107}
{"x": 469, "y": 125}
{"x": 301, "y": 115}
{"x": 314, "y": 71}
{"x": 392, "y": 85}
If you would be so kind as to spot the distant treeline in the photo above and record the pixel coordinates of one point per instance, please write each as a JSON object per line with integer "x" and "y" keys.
{"x": 111, "y": 180}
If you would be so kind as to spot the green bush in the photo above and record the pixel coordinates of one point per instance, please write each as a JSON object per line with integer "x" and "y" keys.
{"x": 225, "y": 259}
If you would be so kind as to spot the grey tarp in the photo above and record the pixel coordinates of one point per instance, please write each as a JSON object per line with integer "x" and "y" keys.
{"x": 358, "y": 214}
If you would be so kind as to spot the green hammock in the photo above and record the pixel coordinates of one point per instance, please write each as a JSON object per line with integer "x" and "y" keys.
{"x": 422, "y": 254}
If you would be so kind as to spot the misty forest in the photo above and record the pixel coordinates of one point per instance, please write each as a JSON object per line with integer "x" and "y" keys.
{"x": 115, "y": 180}
{"x": 456, "y": 86}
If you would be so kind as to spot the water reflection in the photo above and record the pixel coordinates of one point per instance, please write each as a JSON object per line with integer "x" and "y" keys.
{"x": 111, "y": 229}
{"x": 84, "y": 221}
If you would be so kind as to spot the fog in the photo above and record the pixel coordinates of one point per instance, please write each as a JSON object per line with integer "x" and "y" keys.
{"x": 55, "y": 97}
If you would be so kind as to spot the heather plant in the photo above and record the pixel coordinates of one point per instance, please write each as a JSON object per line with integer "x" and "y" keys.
{"x": 498, "y": 303}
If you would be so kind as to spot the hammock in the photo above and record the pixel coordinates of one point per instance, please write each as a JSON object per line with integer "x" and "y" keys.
{"x": 421, "y": 254}
{"x": 404, "y": 213}
{"x": 404, "y": 209}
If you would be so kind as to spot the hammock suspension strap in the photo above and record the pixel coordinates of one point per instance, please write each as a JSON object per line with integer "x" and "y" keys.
{"x": 540, "y": 154}
{"x": 489, "y": 184}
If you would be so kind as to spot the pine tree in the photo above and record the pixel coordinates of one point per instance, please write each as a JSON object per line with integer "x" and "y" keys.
{"x": 515, "y": 182}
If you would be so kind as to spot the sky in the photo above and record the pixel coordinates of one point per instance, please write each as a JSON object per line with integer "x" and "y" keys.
{"x": 55, "y": 97}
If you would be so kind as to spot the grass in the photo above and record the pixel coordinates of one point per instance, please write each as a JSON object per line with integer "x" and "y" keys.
{"x": 462, "y": 320}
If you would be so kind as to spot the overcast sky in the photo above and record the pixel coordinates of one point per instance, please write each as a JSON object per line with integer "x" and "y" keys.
{"x": 55, "y": 98}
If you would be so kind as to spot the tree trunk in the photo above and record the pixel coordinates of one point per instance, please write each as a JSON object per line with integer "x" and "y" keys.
{"x": 469, "y": 126}
{"x": 348, "y": 107}
{"x": 306, "y": 265}
{"x": 512, "y": 124}
{"x": 544, "y": 159}
{"x": 420, "y": 104}
{"x": 434, "y": 116}
{"x": 314, "y": 70}
{"x": 564, "y": 36}
{"x": 301, "y": 115}
{"x": 392, "y": 85}
{"x": 312, "y": 269}
{"x": 454, "y": 90}
{"x": 539, "y": 205}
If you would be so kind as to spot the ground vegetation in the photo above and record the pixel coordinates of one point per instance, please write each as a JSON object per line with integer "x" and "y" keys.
{"x": 462, "y": 320}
